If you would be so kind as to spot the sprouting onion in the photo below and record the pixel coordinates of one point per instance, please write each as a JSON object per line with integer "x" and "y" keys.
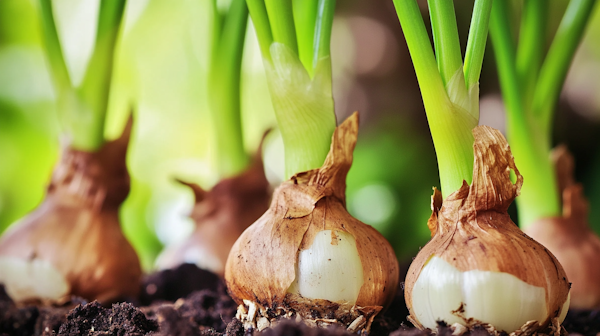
{"x": 478, "y": 268}
{"x": 242, "y": 195}
{"x": 531, "y": 80}
{"x": 72, "y": 243}
{"x": 307, "y": 257}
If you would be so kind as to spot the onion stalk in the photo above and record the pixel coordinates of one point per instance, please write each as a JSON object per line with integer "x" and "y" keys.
{"x": 228, "y": 30}
{"x": 72, "y": 243}
{"x": 243, "y": 193}
{"x": 298, "y": 75}
{"x": 476, "y": 251}
{"x": 531, "y": 80}
{"x": 530, "y": 86}
{"x": 307, "y": 258}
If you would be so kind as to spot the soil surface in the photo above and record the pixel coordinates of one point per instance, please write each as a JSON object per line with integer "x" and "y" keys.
{"x": 188, "y": 301}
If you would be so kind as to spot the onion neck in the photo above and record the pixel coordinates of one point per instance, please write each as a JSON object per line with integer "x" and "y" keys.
{"x": 294, "y": 39}
{"x": 98, "y": 178}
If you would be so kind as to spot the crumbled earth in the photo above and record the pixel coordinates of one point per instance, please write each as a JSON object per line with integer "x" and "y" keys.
{"x": 94, "y": 320}
{"x": 442, "y": 330}
{"x": 31, "y": 320}
{"x": 188, "y": 301}
{"x": 171, "y": 285}
{"x": 300, "y": 329}
{"x": 584, "y": 322}
{"x": 50, "y": 319}
{"x": 203, "y": 312}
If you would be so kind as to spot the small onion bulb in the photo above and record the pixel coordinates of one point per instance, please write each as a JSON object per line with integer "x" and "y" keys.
{"x": 220, "y": 215}
{"x": 570, "y": 236}
{"x": 479, "y": 267}
{"x": 308, "y": 258}
{"x": 72, "y": 243}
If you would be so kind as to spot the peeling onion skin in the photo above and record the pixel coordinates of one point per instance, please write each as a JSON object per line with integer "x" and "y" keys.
{"x": 76, "y": 227}
{"x": 221, "y": 215}
{"x": 471, "y": 229}
{"x": 261, "y": 264}
{"x": 570, "y": 237}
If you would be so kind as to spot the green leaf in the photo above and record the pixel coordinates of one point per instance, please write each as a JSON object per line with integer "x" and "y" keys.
{"x": 224, "y": 90}
{"x": 303, "y": 107}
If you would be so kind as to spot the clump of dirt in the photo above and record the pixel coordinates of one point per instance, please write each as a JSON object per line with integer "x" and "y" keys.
{"x": 204, "y": 312}
{"x": 31, "y": 320}
{"x": 94, "y": 320}
{"x": 15, "y": 321}
{"x": 187, "y": 301}
{"x": 173, "y": 284}
{"x": 50, "y": 319}
{"x": 584, "y": 322}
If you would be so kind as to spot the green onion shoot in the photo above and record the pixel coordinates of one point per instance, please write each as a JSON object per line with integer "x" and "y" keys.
{"x": 72, "y": 243}
{"x": 306, "y": 257}
{"x": 551, "y": 207}
{"x": 478, "y": 268}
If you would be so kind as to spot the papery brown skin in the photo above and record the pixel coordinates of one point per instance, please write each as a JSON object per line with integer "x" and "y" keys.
{"x": 471, "y": 229}
{"x": 76, "y": 227}
{"x": 570, "y": 237}
{"x": 261, "y": 265}
{"x": 221, "y": 215}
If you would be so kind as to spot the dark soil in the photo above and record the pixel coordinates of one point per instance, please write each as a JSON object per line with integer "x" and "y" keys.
{"x": 584, "y": 322}
{"x": 93, "y": 319}
{"x": 171, "y": 285}
{"x": 188, "y": 301}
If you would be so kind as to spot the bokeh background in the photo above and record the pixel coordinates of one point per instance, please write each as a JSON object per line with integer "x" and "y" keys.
{"x": 161, "y": 75}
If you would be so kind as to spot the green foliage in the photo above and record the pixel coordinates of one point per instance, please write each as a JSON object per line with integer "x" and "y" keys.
{"x": 300, "y": 85}
{"x": 452, "y": 108}
{"x": 531, "y": 81}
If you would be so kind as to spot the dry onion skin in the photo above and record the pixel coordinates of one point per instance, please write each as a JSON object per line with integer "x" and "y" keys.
{"x": 570, "y": 237}
{"x": 221, "y": 215}
{"x": 479, "y": 267}
{"x": 72, "y": 243}
{"x": 308, "y": 258}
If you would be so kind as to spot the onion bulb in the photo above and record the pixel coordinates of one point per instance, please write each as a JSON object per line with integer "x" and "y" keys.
{"x": 221, "y": 215}
{"x": 308, "y": 258}
{"x": 570, "y": 237}
{"x": 72, "y": 243}
{"x": 479, "y": 268}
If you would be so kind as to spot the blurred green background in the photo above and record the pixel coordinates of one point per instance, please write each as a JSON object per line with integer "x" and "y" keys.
{"x": 161, "y": 74}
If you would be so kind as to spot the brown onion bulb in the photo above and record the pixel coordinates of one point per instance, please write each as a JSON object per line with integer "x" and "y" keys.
{"x": 280, "y": 265}
{"x": 479, "y": 267}
{"x": 72, "y": 243}
{"x": 221, "y": 215}
{"x": 570, "y": 237}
